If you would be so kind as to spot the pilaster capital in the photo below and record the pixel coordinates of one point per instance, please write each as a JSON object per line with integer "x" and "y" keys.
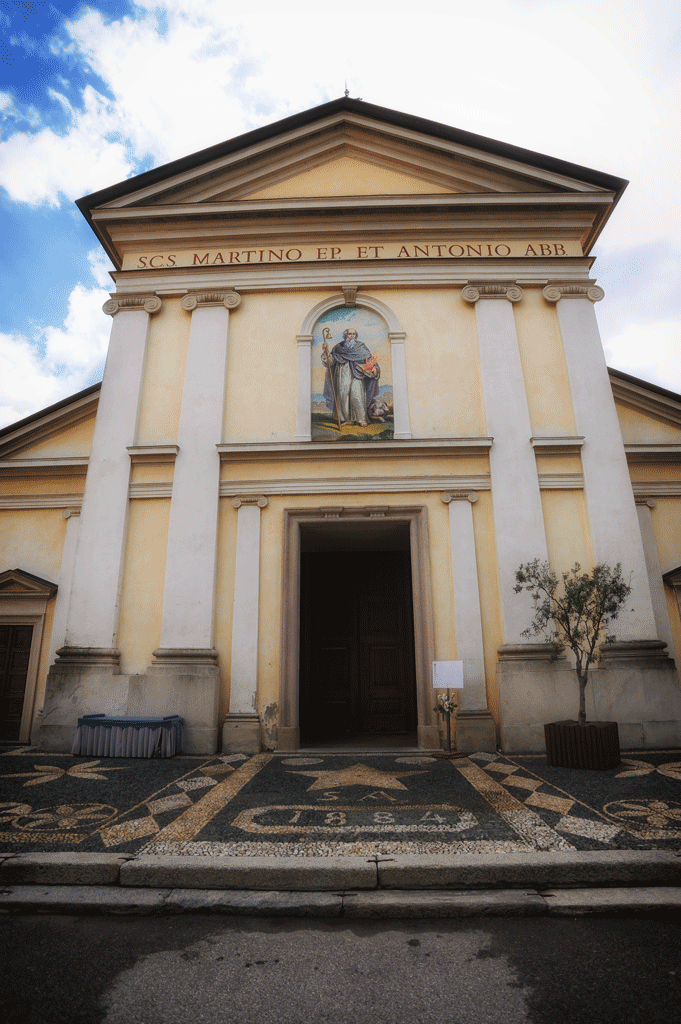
{"x": 448, "y": 496}
{"x": 304, "y": 339}
{"x": 230, "y": 300}
{"x": 120, "y": 303}
{"x": 472, "y": 292}
{"x": 554, "y": 292}
{"x": 643, "y": 500}
{"x": 250, "y": 499}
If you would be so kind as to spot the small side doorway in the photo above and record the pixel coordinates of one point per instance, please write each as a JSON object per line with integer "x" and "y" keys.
{"x": 15, "y": 651}
{"x": 357, "y": 639}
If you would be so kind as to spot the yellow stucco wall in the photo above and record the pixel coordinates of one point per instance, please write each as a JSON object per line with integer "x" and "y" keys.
{"x": 73, "y": 440}
{"x": 347, "y": 176}
{"x": 164, "y": 367}
{"x": 543, "y": 361}
{"x": 141, "y": 609}
{"x": 639, "y": 426}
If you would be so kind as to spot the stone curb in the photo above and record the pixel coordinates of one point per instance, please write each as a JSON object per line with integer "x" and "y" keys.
{"x": 309, "y": 874}
{"x": 531, "y": 870}
{"x": 534, "y": 870}
{"x": 62, "y": 868}
{"x": 396, "y": 904}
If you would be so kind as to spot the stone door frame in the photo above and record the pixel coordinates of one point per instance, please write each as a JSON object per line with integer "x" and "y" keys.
{"x": 424, "y": 644}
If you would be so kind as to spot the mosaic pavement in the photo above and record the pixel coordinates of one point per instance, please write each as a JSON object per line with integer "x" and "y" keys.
{"x": 336, "y": 803}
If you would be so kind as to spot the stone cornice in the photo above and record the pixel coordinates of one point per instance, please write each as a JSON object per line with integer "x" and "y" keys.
{"x": 554, "y": 292}
{"x": 57, "y": 465}
{"x": 70, "y": 501}
{"x": 472, "y": 292}
{"x": 637, "y": 396}
{"x": 229, "y": 299}
{"x": 459, "y": 485}
{"x": 556, "y": 445}
{"x": 650, "y": 452}
{"x": 121, "y": 303}
{"x": 152, "y": 454}
{"x": 656, "y": 489}
{"x": 302, "y": 450}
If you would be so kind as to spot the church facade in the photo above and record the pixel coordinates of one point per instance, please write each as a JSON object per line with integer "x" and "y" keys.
{"x": 354, "y": 381}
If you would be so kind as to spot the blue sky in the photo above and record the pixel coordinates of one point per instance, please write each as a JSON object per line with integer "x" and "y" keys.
{"x": 93, "y": 93}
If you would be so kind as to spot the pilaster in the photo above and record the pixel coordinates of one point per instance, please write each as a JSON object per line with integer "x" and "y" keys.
{"x": 241, "y": 730}
{"x": 474, "y": 724}
{"x": 613, "y": 523}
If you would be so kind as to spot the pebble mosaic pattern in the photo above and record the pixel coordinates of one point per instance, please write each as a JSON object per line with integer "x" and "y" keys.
{"x": 333, "y": 804}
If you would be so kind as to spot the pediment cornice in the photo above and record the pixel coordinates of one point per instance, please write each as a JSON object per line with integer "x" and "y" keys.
{"x": 17, "y": 583}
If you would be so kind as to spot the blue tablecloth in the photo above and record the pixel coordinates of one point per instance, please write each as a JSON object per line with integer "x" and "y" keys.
{"x": 128, "y": 736}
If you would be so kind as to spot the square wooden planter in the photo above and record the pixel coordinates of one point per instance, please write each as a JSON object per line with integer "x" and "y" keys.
{"x": 571, "y": 745}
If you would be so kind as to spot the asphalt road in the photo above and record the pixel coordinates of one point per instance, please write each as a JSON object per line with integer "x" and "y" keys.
{"x": 82, "y": 970}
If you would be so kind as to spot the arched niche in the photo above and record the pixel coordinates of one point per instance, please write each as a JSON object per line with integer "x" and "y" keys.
{"x": 396, "y": 337}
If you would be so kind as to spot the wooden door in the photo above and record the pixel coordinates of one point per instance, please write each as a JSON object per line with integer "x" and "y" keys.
{"x": 15, "y": 650}
{"x": 357, "y": 656}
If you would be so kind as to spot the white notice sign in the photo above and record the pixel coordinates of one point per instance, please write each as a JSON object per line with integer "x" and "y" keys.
{"x": 447, "y": 675}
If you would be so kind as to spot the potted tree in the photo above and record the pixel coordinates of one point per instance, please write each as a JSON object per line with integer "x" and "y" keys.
{"x": 576, "y": 611}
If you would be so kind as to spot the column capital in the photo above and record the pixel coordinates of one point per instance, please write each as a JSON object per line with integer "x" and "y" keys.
{"x": 250, "y": 499}
{"x": 120, "y": 303}
{"x": 554, "y": 292}
{"x": 472, "y": 292}
{"x": 304, "y": 339}
{"x": 447, "y": 497}
{"x": 229, "y": 299}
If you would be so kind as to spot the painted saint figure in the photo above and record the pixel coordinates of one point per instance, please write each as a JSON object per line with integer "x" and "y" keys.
{"x": 352, "y": 373}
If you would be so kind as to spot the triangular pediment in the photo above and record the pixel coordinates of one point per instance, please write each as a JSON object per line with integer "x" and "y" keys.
{"x": 16, "y": 583}
{"x": 348, "y": 153}
{"x": 61, "y": 433}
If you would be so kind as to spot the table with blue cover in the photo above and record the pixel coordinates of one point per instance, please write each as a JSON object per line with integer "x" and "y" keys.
{"x": 128, "y": 736}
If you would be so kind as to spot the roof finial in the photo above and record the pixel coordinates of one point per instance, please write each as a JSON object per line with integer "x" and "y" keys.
{"x": 347, "y": 91}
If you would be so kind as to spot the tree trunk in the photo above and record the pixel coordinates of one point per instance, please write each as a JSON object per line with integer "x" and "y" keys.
{"x": 583, "y": 678}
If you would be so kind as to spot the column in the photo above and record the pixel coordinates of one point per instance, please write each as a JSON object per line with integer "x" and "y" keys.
{"x": 518, "y": 516}
{"x": 241, "y": 731}
{"x": 644, "y": 507}
{"x": 85, "y": 678}
{"x": 474, "y": 725}
{"x": 93, "y": 613}
{"x": 635, "y": 683}
{"x": 304, "y": 403}
{"x": 184, "y": 677}
{"x": 400, "y": 394}
{"x": 613, "y": 523}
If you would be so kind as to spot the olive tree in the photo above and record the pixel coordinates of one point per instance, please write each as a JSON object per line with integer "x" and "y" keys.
{"x": 575, "y": 610}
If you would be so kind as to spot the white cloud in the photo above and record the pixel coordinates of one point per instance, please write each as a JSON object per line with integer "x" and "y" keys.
{"x": 649, "y": 351}
{"x": 57, "y": 361}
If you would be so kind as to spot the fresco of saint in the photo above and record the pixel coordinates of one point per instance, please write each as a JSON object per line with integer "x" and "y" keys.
{"x": 352, "y": 395}
{"x": 351, "y": 384}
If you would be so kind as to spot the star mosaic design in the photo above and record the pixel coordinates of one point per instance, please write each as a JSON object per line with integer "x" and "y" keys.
{"x": 50, "y": 773}
{"x": 356, "y": 775}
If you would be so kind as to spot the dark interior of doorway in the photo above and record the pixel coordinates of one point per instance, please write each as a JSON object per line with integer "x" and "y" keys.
{"x": 357, "y": 673}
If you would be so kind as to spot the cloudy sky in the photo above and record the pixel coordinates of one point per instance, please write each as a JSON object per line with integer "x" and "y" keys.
{"x": 91, "y": 94}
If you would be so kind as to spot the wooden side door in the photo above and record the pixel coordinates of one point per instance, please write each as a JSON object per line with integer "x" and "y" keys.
{"x": 15, "y": 651}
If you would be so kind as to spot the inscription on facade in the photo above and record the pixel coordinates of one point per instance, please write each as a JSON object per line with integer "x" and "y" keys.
{"x": 441, "y": 250}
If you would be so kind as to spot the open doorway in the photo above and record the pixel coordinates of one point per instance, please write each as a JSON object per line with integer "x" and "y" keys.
{"x": 357, "y": 668}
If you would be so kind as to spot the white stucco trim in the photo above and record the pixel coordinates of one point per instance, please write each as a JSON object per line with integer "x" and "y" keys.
{"x": 304, "y": 398}
{"x": 244, "y": 665}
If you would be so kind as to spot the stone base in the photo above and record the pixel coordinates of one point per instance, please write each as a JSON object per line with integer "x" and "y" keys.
{"x": 288, "y": 738}
{"x": 241, "y": 735}
{"x": 428, "y": 737}
{"x": 474, "y": 730}
{"x": 82, "y": 681}
{"x": 185, "y": 682}
{"x": 634, "y": 684}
